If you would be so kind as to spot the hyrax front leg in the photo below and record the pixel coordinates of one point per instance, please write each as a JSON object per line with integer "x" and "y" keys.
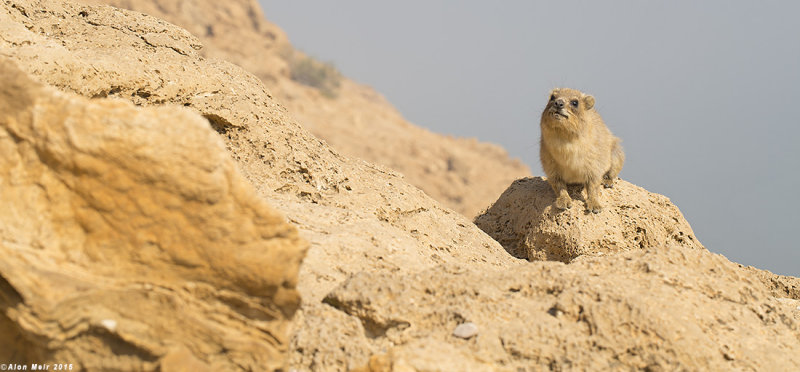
{"x": 563, "y": 201}
{"x": 592, "y": 194}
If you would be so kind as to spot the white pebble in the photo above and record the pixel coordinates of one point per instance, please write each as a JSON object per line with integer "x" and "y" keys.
{"x": 109, "y": 324}
{"x": 466, "y": 330}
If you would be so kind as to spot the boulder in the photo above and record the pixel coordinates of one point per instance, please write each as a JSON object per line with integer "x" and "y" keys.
{"x": 528, "y": 225}
{"x": 129, "y": 239}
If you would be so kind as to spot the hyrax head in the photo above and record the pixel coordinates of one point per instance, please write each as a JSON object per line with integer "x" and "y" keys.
{"x": 567, "y": 105}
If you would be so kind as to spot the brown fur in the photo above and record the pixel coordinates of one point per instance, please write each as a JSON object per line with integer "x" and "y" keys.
{"x": 577, "y": 147}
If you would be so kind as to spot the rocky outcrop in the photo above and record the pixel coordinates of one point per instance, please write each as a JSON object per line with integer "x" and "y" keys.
{"x": 130, "y": 240}
{"x": 659, "y": 309}
{"x": 389, "y": 275}
{"x": 463, "y": 174}
{"x": 527, "y": 224}
{"x": 357, "y": 216}
{"x": 350, "y": 207}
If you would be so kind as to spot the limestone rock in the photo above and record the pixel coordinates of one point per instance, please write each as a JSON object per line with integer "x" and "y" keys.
{"x": 128, "y": 237}
{"x": 665, "y": 308}
{"x": 349, "y": 207}
{"x": 527, "y": 224}
{"x": 463, "y": 174}
{"x": 357, "y": 216}
{"x": 426, "y": 355}
{"x": 389, "y": 273}
{"x": 326, "y": 339}
{"x": 779, "y": 285}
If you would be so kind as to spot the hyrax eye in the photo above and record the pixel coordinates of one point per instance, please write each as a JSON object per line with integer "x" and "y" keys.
{"x": 552, "y": 97}
{"x": 574, "y": 103}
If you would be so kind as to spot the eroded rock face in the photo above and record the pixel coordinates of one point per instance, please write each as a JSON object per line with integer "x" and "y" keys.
{"x": 129, "y": 238}
{"x": 462, "y": 174}
{"x": 528, "y": 225}
{"x": 389, "y": 273}
{"x": 357, "y": 216}
{"x": 666, "y": 308}
{"x": 349, "y": 207}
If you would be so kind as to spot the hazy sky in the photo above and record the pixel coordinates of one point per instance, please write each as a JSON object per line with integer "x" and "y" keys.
{"x": 705, "y": 95}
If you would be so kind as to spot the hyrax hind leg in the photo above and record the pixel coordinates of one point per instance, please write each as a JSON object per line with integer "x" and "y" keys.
{"x": 617, "y": 160}
{"x": 563, "y": 201}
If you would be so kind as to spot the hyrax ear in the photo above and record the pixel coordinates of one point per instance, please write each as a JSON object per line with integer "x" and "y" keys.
{"x": 588, "y": 101}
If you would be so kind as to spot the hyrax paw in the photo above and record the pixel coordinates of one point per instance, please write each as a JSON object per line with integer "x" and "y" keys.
{"x": 608, "y": 181}
{"x": 563, "y": 203}
{"x": 593, "y": 207}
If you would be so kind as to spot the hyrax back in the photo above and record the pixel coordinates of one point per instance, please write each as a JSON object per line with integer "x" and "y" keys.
{"x": 577, "y": 147}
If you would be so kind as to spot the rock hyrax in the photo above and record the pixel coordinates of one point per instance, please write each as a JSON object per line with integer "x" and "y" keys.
{"x": 577, "y": 147}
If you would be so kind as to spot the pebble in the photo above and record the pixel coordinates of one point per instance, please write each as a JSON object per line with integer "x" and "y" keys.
{"x": 109, "y": 324}
{"x": 466, "y": 330}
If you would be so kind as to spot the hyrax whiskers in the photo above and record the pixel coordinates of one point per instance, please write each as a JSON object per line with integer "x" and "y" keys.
{"x": 577, "y": 147}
